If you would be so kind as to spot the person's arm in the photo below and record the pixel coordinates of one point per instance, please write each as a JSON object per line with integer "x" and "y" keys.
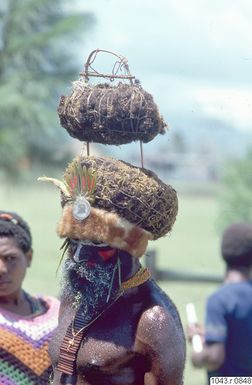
{"x": 213, "y": 336}
{"x": 211, "y": 357}
{"x": 162, "y": 342}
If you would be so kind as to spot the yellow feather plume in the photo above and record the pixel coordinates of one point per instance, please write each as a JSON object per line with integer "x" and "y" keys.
{"x": 58, "y": 183}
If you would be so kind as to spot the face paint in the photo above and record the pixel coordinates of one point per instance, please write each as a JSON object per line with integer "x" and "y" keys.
{"x": 89, "y": 273}
{"x": 91, "y": 253}
{"x": 93, "y": 272}
{"x": 106, "y": 254}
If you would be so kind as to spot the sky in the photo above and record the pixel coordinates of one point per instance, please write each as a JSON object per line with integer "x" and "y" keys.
{"x": 194, "y": 56}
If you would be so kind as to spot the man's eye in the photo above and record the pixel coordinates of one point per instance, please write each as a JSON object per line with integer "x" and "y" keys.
{"x": 9, "y": 258}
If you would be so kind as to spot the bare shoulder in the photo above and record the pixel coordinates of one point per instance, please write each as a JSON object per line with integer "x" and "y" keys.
{"x": 160, "y": 336}
{"x": 160, "y": 319}
{"x": 157, "y": 325}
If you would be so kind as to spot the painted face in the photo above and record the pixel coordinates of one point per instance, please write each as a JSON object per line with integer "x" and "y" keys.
{"x": 92, "y": 255}
{"x": 13, "y": 265}
{"x": 94, "y": 270}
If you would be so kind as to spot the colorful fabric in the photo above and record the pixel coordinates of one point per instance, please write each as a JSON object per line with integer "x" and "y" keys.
{"x": 24, "y": 342}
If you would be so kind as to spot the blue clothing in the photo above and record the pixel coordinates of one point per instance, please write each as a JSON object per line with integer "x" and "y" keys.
{"x": 229, "y": 320}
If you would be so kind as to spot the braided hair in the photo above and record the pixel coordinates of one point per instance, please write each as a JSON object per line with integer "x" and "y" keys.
{"x": 13, "y": 226}
{"x": 236, "y": 246}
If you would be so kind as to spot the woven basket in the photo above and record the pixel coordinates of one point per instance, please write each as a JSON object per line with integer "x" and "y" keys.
{"x": 107, "y": 113}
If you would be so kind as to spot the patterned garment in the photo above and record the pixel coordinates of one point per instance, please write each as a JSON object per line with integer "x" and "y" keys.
{"x": 23, "y": 345}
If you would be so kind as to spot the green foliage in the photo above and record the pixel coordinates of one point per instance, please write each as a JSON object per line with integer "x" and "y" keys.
{"x": 37, "y": 60}
{"x": 236, "y": 199}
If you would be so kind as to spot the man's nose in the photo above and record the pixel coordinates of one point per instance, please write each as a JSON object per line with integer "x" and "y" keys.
{"x": 3, "y": 267}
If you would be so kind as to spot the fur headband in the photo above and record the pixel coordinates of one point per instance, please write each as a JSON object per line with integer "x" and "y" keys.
{"x": 107, "y": 227}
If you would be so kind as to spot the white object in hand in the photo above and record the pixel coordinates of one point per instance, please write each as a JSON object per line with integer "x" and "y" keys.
{"x": 192, "y": 319}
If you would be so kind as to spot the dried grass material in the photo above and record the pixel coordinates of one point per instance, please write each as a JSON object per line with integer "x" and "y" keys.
{"x": 135, "y": 194}
{"x": 110, "y": 114}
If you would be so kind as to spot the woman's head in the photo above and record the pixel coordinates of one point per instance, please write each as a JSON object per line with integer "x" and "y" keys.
{"x": 15, "y": 253}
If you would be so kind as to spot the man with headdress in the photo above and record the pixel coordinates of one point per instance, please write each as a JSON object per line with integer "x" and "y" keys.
{"x": 116, "y": 326}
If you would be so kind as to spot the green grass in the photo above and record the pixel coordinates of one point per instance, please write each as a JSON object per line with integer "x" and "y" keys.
{"x": 192, "y": 246}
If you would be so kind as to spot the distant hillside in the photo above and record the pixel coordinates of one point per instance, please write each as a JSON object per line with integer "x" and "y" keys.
{"x": 215, "y": 135}
{"x": 191, "y": 150}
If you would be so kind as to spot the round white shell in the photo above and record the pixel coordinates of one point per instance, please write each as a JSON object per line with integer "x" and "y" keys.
{"x": 81, "y": 209}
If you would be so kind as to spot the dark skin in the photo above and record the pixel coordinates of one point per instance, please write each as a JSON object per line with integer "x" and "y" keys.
{"x": 13, "y": 264}
{"x": 138, "y": 341}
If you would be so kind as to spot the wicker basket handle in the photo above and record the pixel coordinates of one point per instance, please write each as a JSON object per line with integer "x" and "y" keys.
{"x": 120, "y": 65}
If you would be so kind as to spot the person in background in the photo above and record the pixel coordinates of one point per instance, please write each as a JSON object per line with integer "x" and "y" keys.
{"x": 227, "y": 336}
{"x": 26, "y": 322}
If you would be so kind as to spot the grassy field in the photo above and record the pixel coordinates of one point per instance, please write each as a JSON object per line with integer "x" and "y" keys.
{"x": 192, "y": 246}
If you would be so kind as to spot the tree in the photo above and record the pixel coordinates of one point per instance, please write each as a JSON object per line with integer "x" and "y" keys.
{"x": 37, "y": 41}
{"x": 236, "y": 199}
